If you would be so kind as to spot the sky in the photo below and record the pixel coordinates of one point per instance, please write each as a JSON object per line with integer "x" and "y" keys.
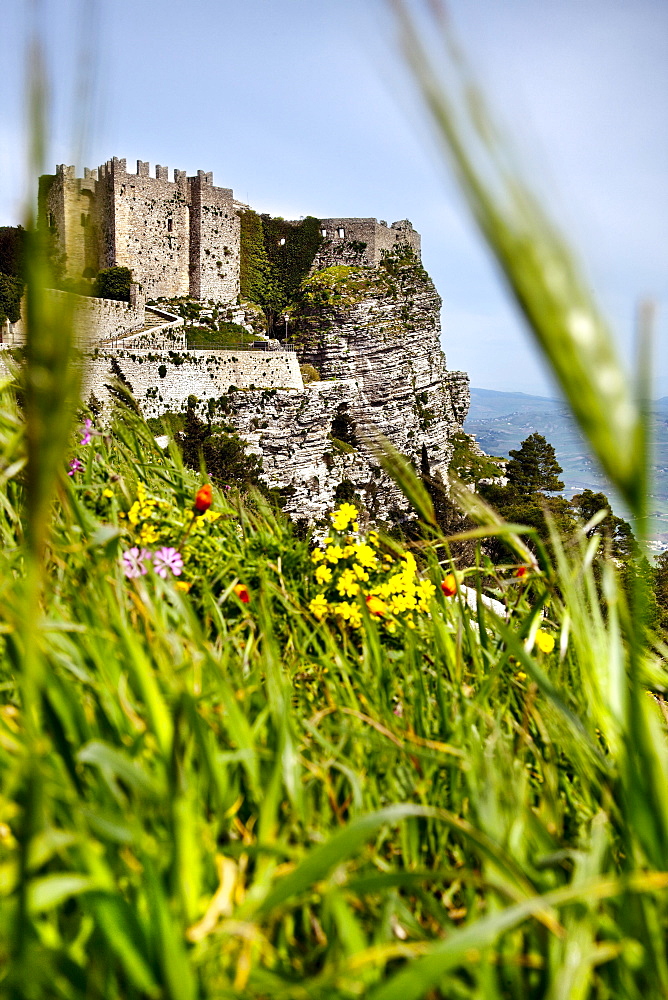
{"x": 305, "y": 107}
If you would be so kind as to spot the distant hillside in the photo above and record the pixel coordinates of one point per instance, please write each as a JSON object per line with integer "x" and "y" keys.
{"x": 501, "y": 421}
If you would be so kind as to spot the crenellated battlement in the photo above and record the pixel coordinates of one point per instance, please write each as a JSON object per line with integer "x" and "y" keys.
{"x": 181, "y": 236}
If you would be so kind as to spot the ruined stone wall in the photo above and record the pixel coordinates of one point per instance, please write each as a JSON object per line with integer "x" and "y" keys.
{"x": 215, "y": 236}
{"x": 362, "y": 241}
{"x": 163, "y": 381}
{"x": 151, "y": 226}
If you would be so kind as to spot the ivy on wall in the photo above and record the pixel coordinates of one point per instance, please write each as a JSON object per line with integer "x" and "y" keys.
{"x": 276, "y": 256}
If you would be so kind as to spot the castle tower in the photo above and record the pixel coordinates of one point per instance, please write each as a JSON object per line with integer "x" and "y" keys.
{"x": 215, "y": 237}
{"x": 178, "y": 237}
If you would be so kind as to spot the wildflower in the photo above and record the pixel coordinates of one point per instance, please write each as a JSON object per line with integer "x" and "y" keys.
{"x": 365, "y": 555}
{"x": 167, "y": 560}
{"x": 349, "y": 612}
{"x": 342, "y": 517}
{"x": 319, "y": 606}
{"x": 148, "y": 535}
{"x": 347, "y": 586}
{"x": 323, "y": 574}
{"x": 183, "y": 585}
{"x": 360, "y": 572}
{"x": 134, "y": 562}
{"x": 317, "y": 555}
{"x": 208, "y": 515}
{"x": 521, "y": 571}
{"x": 520, "y": 675}
{"x": 449, "y": 585}
{"x": 242, "y": 592}
{"x": 334, "y": 553}
{"x": 75, "y": 466}
{"x": 108, "y": 494}
{"x": 544, "y": 641}
{"x": 375, "y": 605}
{"x": 87, "y": 436}
{"x": 203, "y": 498}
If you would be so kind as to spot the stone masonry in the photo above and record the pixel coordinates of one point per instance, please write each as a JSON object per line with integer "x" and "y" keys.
{"x": 179, "y": 237}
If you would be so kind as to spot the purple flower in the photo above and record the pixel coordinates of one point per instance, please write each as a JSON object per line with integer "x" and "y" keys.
{"x": 134, "y": 562}
{"x": 87, "y": 436}
{"x": 167, "y": 561}
{"x": 75, "y": 466}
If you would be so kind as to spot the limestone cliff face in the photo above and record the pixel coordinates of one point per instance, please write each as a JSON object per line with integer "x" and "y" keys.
{"x": 381, "y": 327}
{"x": 373, "y": 334}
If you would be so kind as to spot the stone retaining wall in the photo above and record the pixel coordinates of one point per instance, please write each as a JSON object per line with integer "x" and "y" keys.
{"x": 163, "y": 381}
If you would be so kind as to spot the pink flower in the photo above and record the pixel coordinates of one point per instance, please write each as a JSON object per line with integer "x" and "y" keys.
{"x": 75, "y": 466}
{"x": 134, "y": 562}
{"x": 87, "y": 436}
{"x": 167, "y": 561}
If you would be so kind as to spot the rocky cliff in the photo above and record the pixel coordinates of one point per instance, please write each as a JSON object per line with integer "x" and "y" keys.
{"x": 373, "y": 336}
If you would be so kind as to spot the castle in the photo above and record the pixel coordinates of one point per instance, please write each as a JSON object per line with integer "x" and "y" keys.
{"x": 369, "y": 332}
{"x": 179, "y": 237}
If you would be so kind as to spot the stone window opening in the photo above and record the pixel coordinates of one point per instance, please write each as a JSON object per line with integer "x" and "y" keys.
{"x": 170, "y": 225}
{"x": 281, "y": 242}
{"x": 49, "y": 220}
{"x": 323, "y": 232}
{"x": 342, "y": 233}
{"x": 83, "y": 218}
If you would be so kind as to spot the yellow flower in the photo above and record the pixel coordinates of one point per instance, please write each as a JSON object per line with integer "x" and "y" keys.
{"x": 319, "y": 606}
{"x": 360, "y": 572}
{"x": 317, "y": 555}
{"x": 148, "y": 535}
{"x": 365, "y": 555}
{"x": 342, "y": 517}
{"x": 108, "y": 493}
{"x": 349, "y": 612}
{"x": 133, "y": 514}
{"x": 323, "y": 574}
{"x": 334, "y": 553}
{"x": 210, "y": 515}
{"x": 544, "y": 641}
{"x": 356, "y": 526}
{"x": 520, "y": 675}
{"x": 183, "y": 585}
{"x": 348, "y": 550}
{"x": 347, "y": 585}
{"x": 426, "y": 590}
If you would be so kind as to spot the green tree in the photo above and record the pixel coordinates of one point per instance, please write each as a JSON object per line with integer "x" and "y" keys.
{"x": 660, "y": 582}
{"x": 114, "y": 283}
{"x": 533, "y": 467}
{"x": 11, "y": 290}
{"x": 622, "y": 542}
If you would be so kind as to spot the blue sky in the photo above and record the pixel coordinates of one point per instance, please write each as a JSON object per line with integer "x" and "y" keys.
{"x": 304, "y": 107}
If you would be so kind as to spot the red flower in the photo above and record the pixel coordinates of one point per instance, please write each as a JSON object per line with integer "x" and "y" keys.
{"x": 241, "y": 590}
{"x": 521, "y": 571}
{"x": 203, "y": 499}
{"x": 449, "y": 585}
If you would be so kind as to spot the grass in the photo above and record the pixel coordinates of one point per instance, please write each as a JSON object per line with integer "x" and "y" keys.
{"x": 208, "y": 796}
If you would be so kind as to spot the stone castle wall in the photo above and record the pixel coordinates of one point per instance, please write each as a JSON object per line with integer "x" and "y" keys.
{"x": 215, "y": 239}
{"x": 362, "y": 241}
{"x": 163, "y": 381}
{"x": 151, "y": 231}
{"x": 93, "y": 319}
{"x": 179, "y": 237}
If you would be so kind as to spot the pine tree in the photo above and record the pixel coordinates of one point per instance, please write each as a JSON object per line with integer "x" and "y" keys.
{"x": 533, "y": 468}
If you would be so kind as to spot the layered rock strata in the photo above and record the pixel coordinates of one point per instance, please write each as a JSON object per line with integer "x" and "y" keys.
{"x": 373, "y": 335}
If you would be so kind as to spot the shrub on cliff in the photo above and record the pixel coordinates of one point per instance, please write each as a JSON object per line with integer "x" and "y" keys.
{"x": 11, "y": 290}
{"x": 114, "y": 283}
